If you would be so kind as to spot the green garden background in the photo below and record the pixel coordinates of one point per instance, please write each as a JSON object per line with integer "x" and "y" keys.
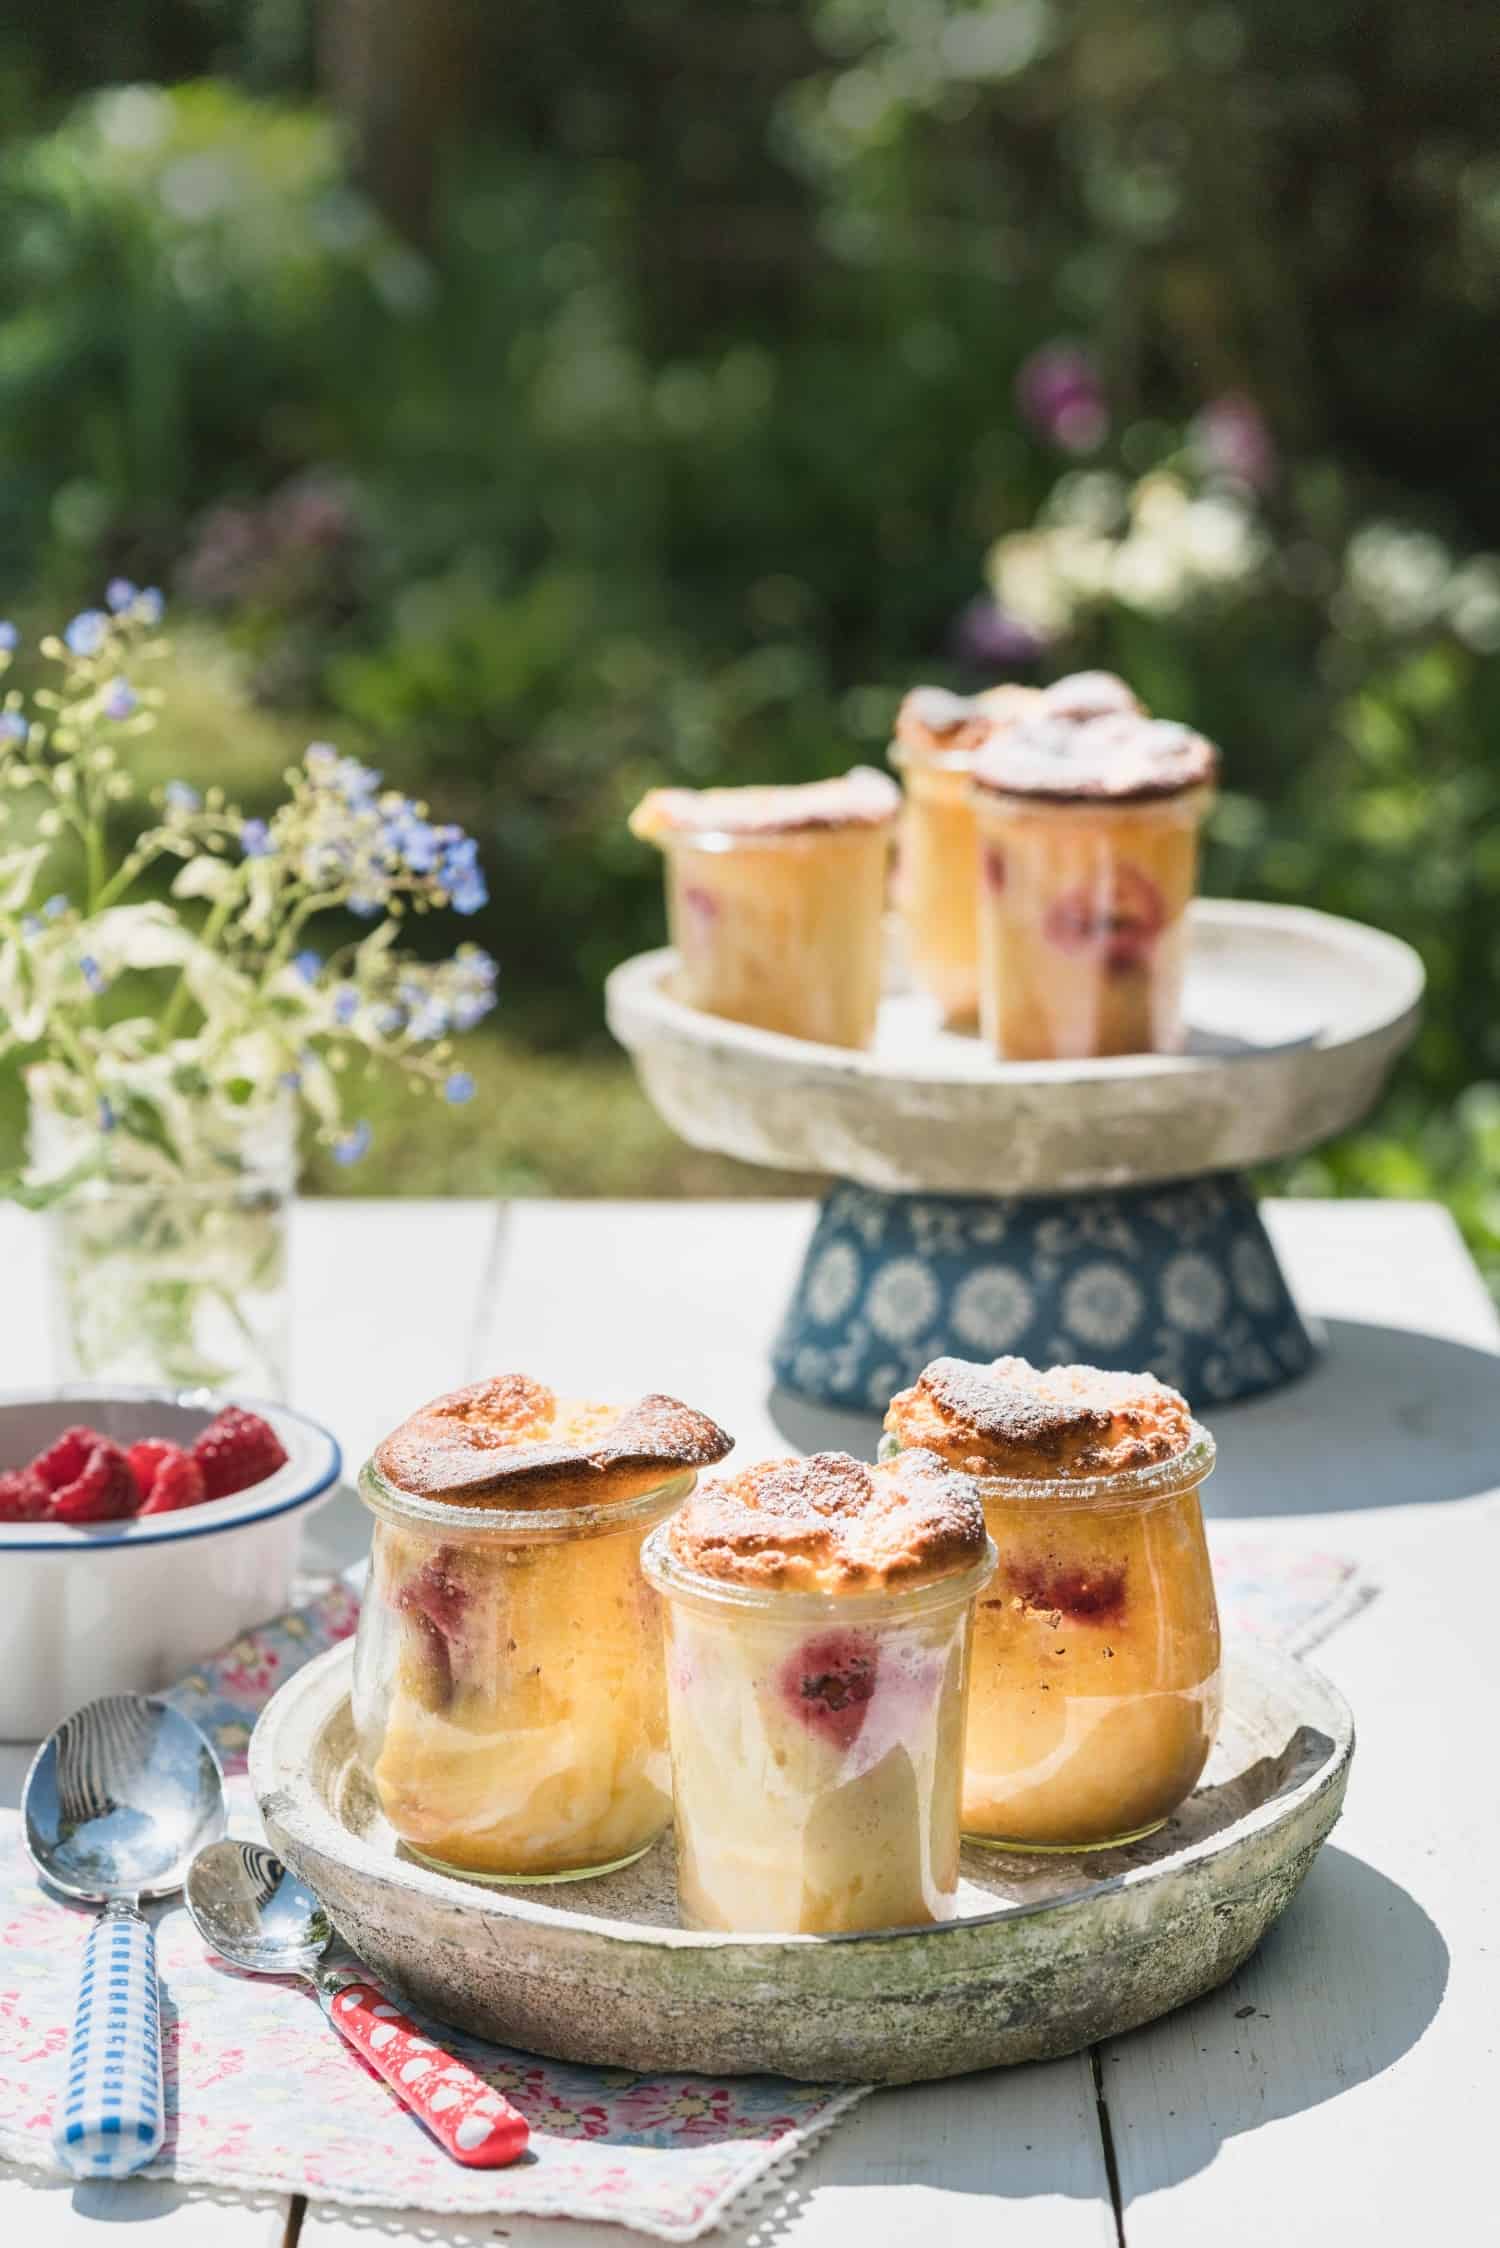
{"x": 548, "y": 398}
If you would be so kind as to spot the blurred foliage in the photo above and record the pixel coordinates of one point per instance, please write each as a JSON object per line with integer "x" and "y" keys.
{"x": 678, "y": 446}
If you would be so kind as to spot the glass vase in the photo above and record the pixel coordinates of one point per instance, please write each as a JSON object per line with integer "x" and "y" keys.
{"x": 169, "y": 1278}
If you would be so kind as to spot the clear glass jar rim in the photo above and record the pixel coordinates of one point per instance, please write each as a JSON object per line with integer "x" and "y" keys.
{"x": 675, "y": 1581}
{"x": 1126, "y": 1487}
{"x": 521, "y": 1525}
{"x": 909, "y": 760}
{"x": 772, "y": 838}
{"x": 1195, "y": 797}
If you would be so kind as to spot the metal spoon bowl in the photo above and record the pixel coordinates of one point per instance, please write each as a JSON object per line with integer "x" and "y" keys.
{"x": 120, "y": 1799}
{"x": 259, "y": 1918}
{"x": 116, "y": 1804}
{"x": 254, "y": 1913}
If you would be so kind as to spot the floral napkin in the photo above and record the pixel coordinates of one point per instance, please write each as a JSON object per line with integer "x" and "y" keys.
{"x": 261, "y": 2095}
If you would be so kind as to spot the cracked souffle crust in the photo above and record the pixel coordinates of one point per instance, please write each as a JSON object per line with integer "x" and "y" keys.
{"x": 1088, "y": 738}
{"x": 862, "y": 797}
{"x": 830, "y": 1524}
{"x": 1010, "y": 1418}
{"x": 512, "y": 1441}
{"x": 936, "y": 727}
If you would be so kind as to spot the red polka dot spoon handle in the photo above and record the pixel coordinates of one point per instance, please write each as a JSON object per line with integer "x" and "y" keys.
{"x": 467, "y": 2117}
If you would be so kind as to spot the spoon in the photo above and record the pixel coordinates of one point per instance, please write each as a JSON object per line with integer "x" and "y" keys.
{"x": 250, "y": 1910}
{"x": 117, "y": 1801}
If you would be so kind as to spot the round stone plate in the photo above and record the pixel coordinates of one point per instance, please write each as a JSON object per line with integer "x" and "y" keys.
{"x": 1046, "y": 1956}
{"x": 1294, "y": 1019}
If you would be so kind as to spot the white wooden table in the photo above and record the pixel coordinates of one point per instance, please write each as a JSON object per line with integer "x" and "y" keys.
{"x": 1341, "y": 2088}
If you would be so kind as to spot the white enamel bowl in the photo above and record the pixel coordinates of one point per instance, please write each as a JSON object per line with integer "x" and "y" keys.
{"x": 121, "y": 1607}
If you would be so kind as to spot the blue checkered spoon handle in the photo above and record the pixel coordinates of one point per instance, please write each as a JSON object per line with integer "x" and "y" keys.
{"x": 113, "y": 2117}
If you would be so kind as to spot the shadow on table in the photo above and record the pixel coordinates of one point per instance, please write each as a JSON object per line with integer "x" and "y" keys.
{"x": 1385, "y": 1418}
{"x": 1347, "y": 1981}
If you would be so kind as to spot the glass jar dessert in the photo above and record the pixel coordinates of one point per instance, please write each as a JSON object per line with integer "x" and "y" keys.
{"x": 1094, "y": 1695}
{"x": 938, "y": 736}
{"x": 508, "y": 1698}
{"x": 818, "y": 1616}
{"x": 1088, "y": 824}
{"x": 775, "y": 898}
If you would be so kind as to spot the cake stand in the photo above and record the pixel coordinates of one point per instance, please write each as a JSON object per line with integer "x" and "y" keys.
{"x": 1091, "y": 1210}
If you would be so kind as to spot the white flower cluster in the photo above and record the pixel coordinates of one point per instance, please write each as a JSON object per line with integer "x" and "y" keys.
{"x": 1157, "y": 546}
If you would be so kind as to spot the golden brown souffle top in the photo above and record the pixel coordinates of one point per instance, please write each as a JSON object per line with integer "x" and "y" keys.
{"x": 830, "y": 1524}
{"x": 861, "y": 797}
{"x": 936, "y": 727}
{"x": 1012, "y": 1419}
{"x": 1089, "y": 739}
{"x": 511, "y": 1442}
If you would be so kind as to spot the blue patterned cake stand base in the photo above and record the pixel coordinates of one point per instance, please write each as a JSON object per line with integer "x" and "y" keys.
{"x": 1179, "y": 1278}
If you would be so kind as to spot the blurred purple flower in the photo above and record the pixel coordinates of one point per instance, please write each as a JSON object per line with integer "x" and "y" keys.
{"x": 255, "y": 840}
{"x": 459, "y": 1087}
{"x": 308, "y": 964}
{"x": 181, "y": 796}
{"x": 120, "y": 699}
{"x": 118, "y": 595}
{"x": 150, "y": 607}
{"x": 9, "y": 637}
{"x": 107, "y": 1116}
{"x": 1060, "y": 391}
{"x": 987, "y": 638}
{"x": 92, "y": 974}
{"x": 346, "y": 1003}
{"x": 1230, "y": 438}
{"x": 13, "y": 726}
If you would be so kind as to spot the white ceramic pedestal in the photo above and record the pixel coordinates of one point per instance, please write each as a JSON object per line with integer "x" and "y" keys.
{"x": 1061, "y": 1210}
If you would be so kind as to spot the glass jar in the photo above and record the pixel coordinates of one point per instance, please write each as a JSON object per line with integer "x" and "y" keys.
{"x": 937, "y": 885}
{"x": 166, "y": 1277}
{"x": 817, "y": 1750}
{"x": 1095, "y": 1693}
{"x": 1083, "y": 922}
{"x": 508, "y": 1699}
{"x": 781, "y": 929}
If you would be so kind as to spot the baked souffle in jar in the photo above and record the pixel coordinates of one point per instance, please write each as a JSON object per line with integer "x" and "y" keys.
{"x": 938, "y": 737}
{"x": 775, "y": 898}
{"x": 818, "y": 1616}
{"x": 508, "y": 1697}
{"x": 1095, "y": 1695}
{"x": 1088, "y": 814}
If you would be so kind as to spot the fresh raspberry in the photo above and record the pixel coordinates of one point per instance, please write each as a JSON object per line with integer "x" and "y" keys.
{"x": 145, "y": 1458}
{"x": 1119, "y": 924}
{"x": 828, "y": 1683}
{"x": 103, "y": 1489}
{"x": 63, "y": 1461}
{"x": 177, "y": 1482}
{"x": 24, "y": 1497}
{"x": 236, "y": 1450}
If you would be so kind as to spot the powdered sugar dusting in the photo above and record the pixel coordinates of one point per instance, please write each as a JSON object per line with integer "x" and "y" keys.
{"x": 831, "y": 1524}
{"x": 861, "y": 797}
{"x": 1011, "y": 1418}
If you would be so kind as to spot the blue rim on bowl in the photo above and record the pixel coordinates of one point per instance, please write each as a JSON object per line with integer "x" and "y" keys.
{"x": 312, "y": 1467}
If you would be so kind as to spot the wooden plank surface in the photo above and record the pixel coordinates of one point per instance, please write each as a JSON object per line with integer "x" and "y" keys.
{"x": 1341, "y": 2088}
{"x": 57, "y": 2215}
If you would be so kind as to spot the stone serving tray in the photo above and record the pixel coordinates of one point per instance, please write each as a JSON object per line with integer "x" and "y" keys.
{"x": 1047, "y": 1955}
{"x": 1294, "y": 1020}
